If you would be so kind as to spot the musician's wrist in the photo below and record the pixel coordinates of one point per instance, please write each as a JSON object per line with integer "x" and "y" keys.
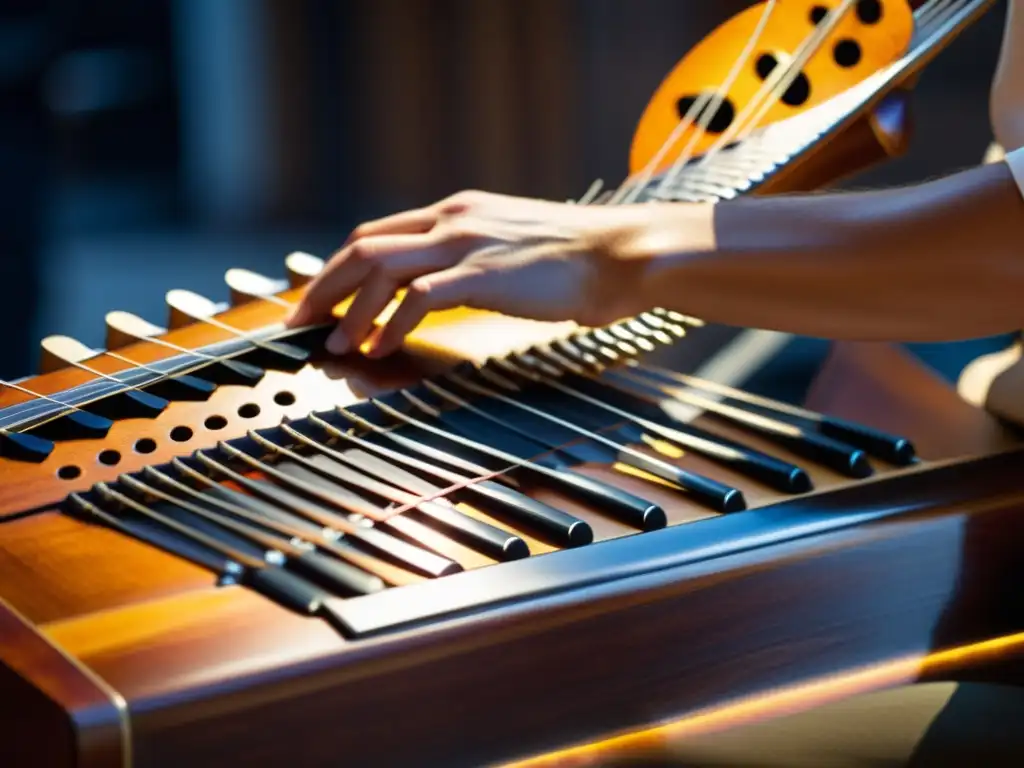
{"x": 637, "y": 249}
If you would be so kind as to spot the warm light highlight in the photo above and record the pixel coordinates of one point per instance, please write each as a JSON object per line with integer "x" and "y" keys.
{"x": 785, "y": 701}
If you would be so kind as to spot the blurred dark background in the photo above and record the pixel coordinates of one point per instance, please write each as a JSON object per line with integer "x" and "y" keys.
{"x": 151, "y": 145}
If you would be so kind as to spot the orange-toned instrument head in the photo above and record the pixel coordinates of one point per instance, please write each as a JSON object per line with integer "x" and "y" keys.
{"x": 828, "y": 45}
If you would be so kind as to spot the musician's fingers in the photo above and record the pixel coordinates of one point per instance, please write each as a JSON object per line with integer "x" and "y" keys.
{"x": 441, "y": 290}
{"x": 414, "y": 222}
{"x": 402, "y": 257}
{"x": 373, "y": 296}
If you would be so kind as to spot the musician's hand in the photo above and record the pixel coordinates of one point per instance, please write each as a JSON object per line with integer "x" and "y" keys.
{"x": 528, "y": 258}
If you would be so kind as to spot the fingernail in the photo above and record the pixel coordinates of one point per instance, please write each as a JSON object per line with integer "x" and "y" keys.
{"x": 337, "y": 342}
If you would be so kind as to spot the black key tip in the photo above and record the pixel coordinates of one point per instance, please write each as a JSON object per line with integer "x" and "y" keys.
{"x": 654, "y": 518}
{"x": 903, "y": 452}
{"x": 799, "y": 481}
{"x": 579, "y": 534}
{"x": 515, "y": 548}
{"x": 859, "y": 465}
{"x": 733, "y": 501}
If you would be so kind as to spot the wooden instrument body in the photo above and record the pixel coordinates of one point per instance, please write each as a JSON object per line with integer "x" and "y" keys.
{"x": 870, "y": 35}
{"x": 118, "y": 654}
{"x": 689, "y": 617}
{"x": 113, "y": 653}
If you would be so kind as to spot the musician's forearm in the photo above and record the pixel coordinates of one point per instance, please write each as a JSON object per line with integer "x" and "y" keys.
{"x": 939, "y": 261}
{"x": 1006, "y": 106}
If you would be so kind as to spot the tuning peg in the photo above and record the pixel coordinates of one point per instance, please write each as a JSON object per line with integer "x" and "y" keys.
{"x": 195, "y": 307}
{"x": 246, "y": 285}
{"x": 125, "y": 325}
{"x": 124, "y": 328}
{"x": 186, "y": 307}
{"x": 61, "y": 351}
{"x": 129, "y": 402}
{"x": 302, "y": 267}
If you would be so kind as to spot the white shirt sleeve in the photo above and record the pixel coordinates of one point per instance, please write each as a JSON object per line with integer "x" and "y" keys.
{"x": 1015, "y": 159}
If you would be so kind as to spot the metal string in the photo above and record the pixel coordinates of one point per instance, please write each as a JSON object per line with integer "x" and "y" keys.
{"x": 29, "y": 413}
{"x": 774, "y": 86}
{"x": 627, "y": 194}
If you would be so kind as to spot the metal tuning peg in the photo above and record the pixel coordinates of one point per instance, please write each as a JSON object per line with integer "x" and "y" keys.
{"x": 246, "y": 285}
{"x": 302, "y": 268}
{"x": 186, "y": 307}
{"x": 124, "y": 328}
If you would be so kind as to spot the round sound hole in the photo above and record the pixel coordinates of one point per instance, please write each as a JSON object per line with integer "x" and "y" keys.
{"x": 818, "y": 14}
{"x": 869, "y": 11}
{"x": 847, "y": 53}
{"x": 764, "y": 65}
{"x": 720, "y": 121}
{"x": 798, "y": 92}
{"x": 145, "y": 445}
{"x": 181, "y": 434}
{"x": 284, "y": 398}
{"x": 214, "y": 423}
{"x": 109, "y": 457}
{"x": 69, "y": 472}
{"x": 249, "y": 411}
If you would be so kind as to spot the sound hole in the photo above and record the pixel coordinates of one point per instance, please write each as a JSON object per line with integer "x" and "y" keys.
{"x": 109, "y": 457}
{"x": 69, "y": 472}
{"x": 818, "y": 14}
{"x": 721, "y": 120}
{"x": 249, "y": 411}
{"x": 764, "y": 65}
{"x": 847, "y": 53}
{"x": 145, "y": 445}
{"x": 181, "y": 434}
{"x": 798, "y": 92}
{"x": 284, "y": 398}
{"x": 869, "y": 11}
{"x": 214, "y": 423}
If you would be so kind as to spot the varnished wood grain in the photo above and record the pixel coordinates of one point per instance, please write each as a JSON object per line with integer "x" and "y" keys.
{"x": 557, "y": 670}
{"x": 54, "y": 567}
